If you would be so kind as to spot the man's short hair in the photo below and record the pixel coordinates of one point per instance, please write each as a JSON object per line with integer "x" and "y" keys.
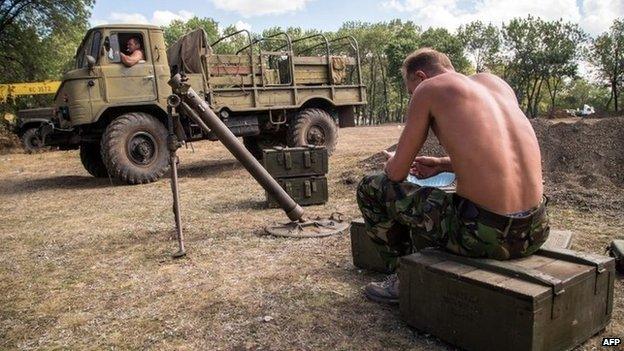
{"x": 427, "y": 60}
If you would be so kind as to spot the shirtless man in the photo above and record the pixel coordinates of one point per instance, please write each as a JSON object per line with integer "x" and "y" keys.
{"x": 135, "y": 53}
{"x": 498, "y": 211}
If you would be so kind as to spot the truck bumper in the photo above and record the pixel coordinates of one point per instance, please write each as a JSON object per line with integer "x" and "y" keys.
{"x": 64, "y": 139}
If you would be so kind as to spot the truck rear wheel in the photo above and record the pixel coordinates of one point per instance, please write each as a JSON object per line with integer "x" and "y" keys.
{"x": 31, "y": 141}
{"x": 313, "y": 126}
{"x": 134, "y": 148}
{"x": 91, "y": 159}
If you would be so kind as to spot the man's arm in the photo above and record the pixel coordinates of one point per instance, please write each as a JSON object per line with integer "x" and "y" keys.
{"x": 414, "y": 134}
{"x": 131, "y": 60}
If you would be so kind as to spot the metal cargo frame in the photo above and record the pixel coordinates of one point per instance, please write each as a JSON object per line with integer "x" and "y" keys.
{"x": 281, "y": 96}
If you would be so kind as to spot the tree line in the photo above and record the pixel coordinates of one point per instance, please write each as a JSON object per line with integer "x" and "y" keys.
{"x": 540, "y": 59}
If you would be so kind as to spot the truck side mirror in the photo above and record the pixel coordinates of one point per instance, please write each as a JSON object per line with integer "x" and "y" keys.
{"x": 90, "y": 62}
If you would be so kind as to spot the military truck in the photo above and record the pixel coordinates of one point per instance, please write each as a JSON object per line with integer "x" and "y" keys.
{"x": 267, "y": 94}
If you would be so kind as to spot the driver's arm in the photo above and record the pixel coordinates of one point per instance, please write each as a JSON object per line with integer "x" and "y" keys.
{"x": 132, "y": 59}
{"x": 414, "y": 133}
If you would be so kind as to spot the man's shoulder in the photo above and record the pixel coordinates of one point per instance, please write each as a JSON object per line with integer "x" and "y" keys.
{"x": 485, "y": 76}
{"x": 447, "y": 83}
{"x": 138, "y": 54}
{"x": 492, "y": 82}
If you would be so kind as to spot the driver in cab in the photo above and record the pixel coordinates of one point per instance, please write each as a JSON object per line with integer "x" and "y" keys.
{"x": 135, "y": 53}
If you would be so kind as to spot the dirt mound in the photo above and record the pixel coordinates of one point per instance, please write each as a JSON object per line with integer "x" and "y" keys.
{"x": 586, "y": 148}
{"x": 583, "y": 161}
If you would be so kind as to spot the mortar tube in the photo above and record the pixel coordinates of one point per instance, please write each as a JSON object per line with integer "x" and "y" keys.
{"x": 199, "y": 111}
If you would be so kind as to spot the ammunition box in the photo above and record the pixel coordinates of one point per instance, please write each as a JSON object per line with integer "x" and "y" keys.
{"x": 296, "y": 161}
{"x": 304, "y": 190}
{"x": 616, "y": 250}
{"x": 363, "y": 249}
{"x": 558, "y": 239}
{"x": 552, "y": 300}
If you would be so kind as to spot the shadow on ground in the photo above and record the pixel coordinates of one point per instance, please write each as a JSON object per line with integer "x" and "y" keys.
{"x": 69, "y": 182}
{"x": 207, "y": 168}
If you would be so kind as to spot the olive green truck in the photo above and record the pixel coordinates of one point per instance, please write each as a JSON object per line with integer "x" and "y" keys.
{"x": 267, "y": 92}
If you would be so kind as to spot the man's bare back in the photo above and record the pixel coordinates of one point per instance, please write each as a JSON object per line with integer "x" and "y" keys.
{"x": 491, "y": 144}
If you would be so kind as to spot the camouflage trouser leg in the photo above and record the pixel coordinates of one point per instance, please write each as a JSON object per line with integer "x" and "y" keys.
{"x": 400, "y": 215}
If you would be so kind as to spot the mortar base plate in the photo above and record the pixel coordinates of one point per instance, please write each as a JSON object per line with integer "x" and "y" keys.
{"x": 311, "y": 228}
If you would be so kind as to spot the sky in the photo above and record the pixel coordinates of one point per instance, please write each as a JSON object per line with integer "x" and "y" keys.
{"x": 594, "y": 16}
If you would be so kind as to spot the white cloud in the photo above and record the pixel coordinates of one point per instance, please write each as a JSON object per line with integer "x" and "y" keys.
{"x": 240, "y": 25}
{"x": 159, "y": 18}
{"x": 592, "y": 15}
{"x": 250, "y": 8}
{"x": 163, "y": 18}
{"x": 122, "y": 17}
{"x": 599, "y": 14}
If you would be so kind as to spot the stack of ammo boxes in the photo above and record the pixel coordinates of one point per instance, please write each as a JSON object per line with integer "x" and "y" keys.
{"x": 300, "y": 171}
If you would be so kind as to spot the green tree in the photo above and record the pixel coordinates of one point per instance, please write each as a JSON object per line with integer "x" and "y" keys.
{"x": 540, "y": 53}
{"x": 561, "y": 50}
{"x": 607, "y": 56}
{"x": 481, "y": 41}
{"x": 402, "y": 43}
{"x": 178, "y": 28}
{"x": 372, "y": 39}
{"x": 575, "y": 93}
{"x": 442, "y": 40}
{"x": 38, "y": 40}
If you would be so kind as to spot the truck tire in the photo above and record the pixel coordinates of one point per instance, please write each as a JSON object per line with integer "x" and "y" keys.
{"x": 255, "y": 144}
{"x": 313, "y": 126}
{"x": 31, "y": 141}
{"x": 134, "y": 148}
{"x": 91, "y": 159}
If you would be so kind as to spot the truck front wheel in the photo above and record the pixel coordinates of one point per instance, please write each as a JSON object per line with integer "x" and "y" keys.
{"x": 313, "y": 126}
{"x": 134, "y": 148}
{"x": 91, "y": 159}
{"x": 31, "y": 141}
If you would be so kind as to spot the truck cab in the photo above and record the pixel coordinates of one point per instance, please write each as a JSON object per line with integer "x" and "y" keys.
{"x": 100, "y": 81}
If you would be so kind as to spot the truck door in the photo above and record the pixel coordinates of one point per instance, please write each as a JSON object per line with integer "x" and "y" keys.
{"x": 128, "y": 84}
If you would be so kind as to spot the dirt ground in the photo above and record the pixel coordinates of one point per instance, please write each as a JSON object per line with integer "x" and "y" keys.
{"x": 86, "y": 264}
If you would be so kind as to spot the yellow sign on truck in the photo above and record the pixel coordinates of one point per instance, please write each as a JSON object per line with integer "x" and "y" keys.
{"x": 19, "y": 89}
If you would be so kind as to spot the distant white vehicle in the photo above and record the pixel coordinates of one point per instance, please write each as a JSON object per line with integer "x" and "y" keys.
{"x": 584, "y": 112}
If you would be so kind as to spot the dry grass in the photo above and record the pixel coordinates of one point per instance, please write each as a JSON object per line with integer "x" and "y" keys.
{"x": 85, "y": 264}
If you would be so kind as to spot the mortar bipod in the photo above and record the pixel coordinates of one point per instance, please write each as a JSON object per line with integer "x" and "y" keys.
{"x": 174, "y": 143}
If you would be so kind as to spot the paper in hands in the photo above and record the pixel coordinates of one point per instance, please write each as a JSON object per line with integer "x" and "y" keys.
{"x": 440, "y": 180}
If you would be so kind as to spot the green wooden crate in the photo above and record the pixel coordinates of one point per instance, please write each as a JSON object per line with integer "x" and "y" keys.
{"x": 295, "y": 161}
{"x": 304, "y": 190}
{"x": 552, "y": 300}
{"x": 363, "y": 249}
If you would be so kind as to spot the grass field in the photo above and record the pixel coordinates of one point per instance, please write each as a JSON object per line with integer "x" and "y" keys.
{"x": 85, "y": 263}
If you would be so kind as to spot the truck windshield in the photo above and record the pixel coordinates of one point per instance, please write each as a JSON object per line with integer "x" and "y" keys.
{"x": 90, "y": 46}
{"x": 112, "y": 46}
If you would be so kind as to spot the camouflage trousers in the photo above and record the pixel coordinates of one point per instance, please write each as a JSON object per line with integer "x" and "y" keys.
{"x": 402, "y": 218}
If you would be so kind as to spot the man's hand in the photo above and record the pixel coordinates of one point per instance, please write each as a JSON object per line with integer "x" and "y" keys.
{"x": 388, "y": 154}
{"x": 426, "y": 166}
